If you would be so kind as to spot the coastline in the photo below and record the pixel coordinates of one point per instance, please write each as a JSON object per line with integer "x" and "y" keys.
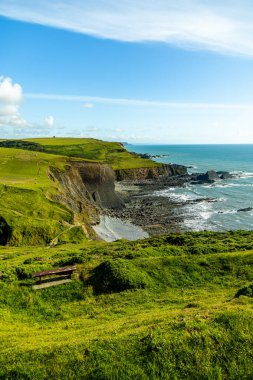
{"x": 148, "y": 205}
{"x": 153, "y": 213}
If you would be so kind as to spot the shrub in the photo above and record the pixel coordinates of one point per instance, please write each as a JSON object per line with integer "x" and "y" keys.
{"x": 246, "y": 291}
{"x": 71, "y": 260}
{"x": 117, "y": 276}
{"x": 25, "y": 271}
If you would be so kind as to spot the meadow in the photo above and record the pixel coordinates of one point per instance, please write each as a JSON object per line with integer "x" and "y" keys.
{"x": 161, "y": 308}
{"x": 111, "y": 153}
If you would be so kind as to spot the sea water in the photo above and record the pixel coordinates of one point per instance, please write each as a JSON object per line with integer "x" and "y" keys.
{"x": 228, "y": 196}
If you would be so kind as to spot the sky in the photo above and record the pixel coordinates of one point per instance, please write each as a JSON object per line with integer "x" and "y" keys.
{"x": 142, "y": 71}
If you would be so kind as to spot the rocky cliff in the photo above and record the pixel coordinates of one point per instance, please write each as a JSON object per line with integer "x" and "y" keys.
{"x": 150, "y": 173}
{"x": 86, "y": 188}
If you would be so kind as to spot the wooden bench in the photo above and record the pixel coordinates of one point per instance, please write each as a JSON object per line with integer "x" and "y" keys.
{"x": 66, "y": 272}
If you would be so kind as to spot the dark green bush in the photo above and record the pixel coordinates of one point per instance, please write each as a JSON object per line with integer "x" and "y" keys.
{"x": 116, "y": 276}
{"x": 246, "y": 291}
{"x": 71, "y": 260}
{"x": 25, "y": 271}
{"x": 5, "y": 231}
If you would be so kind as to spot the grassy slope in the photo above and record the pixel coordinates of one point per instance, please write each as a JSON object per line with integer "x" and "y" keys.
{"x": 25, "y": 185}
{"x": 186, "y": 324}
{"x": 111, "y": 153}
{"x": 25, "y": 201}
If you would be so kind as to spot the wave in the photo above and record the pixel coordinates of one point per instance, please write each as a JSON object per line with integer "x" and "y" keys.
{"x": 242, "y": 174}
{"x": 226, "y": 185}
{"x": 224, "y": 212}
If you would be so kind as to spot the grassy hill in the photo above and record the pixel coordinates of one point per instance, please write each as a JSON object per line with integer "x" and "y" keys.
{"x": 161, "y": 308}
{"x": 111, "y": 153}
{"x": 25, "y": 194}
{"x": 26, "y": 191}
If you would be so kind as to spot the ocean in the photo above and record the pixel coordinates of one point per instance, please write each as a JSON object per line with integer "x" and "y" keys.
{"x": 228, "y": 196}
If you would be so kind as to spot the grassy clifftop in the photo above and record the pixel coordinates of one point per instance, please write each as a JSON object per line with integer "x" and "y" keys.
{"x": 27, "y": 193}
{"x": 161, "y": 308}
{"x": 111, "y": 153}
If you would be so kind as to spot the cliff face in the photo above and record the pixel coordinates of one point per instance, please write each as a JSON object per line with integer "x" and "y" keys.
{"x": 99, "y": 180}
{"x": 150, "y": 173}
{"x": 85, "y": 188}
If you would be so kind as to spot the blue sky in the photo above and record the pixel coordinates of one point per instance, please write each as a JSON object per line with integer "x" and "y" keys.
{"x": 150, "y": 71}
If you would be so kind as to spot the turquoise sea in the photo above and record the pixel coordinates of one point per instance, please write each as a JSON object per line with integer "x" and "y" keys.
{"x": 229, "y": 195}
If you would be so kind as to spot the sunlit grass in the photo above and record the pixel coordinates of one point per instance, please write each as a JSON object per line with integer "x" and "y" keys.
{"x": 186, "y": 322}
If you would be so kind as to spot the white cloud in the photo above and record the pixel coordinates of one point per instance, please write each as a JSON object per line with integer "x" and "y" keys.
{"x": 49, "y": 121}
{"x": 224, "y": 26}
{"x": 140, "y": 102}
{"x": 10, "y": 93}
{"x": 10, "y": 98}
{"x": 88, "y": 105}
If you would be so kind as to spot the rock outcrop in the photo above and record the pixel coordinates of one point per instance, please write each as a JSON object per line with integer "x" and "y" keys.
{"x": 86, "y": 188}
{"x": 210, "y": 176}
{"x": 225, "y": 175}
{"x": 150, "y": 172}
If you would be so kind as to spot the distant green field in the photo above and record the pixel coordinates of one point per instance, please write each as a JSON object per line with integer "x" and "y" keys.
{"x": 160, "y": 308}
{"x": 27, "y": 169}
{"x": 111, "y": 153}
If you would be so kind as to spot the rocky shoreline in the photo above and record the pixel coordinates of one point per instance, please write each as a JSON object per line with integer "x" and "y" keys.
{"x": 158, "y": 214}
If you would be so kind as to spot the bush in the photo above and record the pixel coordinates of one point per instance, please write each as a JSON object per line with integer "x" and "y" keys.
{"x": 71, "y": 260}
{"x": 25, "y": 271}
{"x": 116, "y": 276}
{"x": 246, "y": 291}
{"x": 5, "y": 231}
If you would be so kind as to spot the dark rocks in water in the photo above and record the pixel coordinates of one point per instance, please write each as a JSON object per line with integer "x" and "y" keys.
{"x": 198, "y": 200}
{"x": 245, "y": 209}
{"x": 210, "y": 175}
{"x": 160, "y": 156}
{"x": 224, "y": 175}
{"x": 143, "y": 155}
{"x": 150, "y": 156}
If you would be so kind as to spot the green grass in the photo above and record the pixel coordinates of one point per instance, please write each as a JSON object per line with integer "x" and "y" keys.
{"x": 26, "y": 198}
{"x": 27, "y": 192}
{"x": 163, "y": 312}
{"x": 111, "y": 153}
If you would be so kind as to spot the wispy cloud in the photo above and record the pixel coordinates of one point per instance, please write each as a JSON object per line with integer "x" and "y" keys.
{"x": 137, "y": 102}
{"x": 88, "y": 105}
{"x": 49, "y": 121}
{"x": 223, "y": 26}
